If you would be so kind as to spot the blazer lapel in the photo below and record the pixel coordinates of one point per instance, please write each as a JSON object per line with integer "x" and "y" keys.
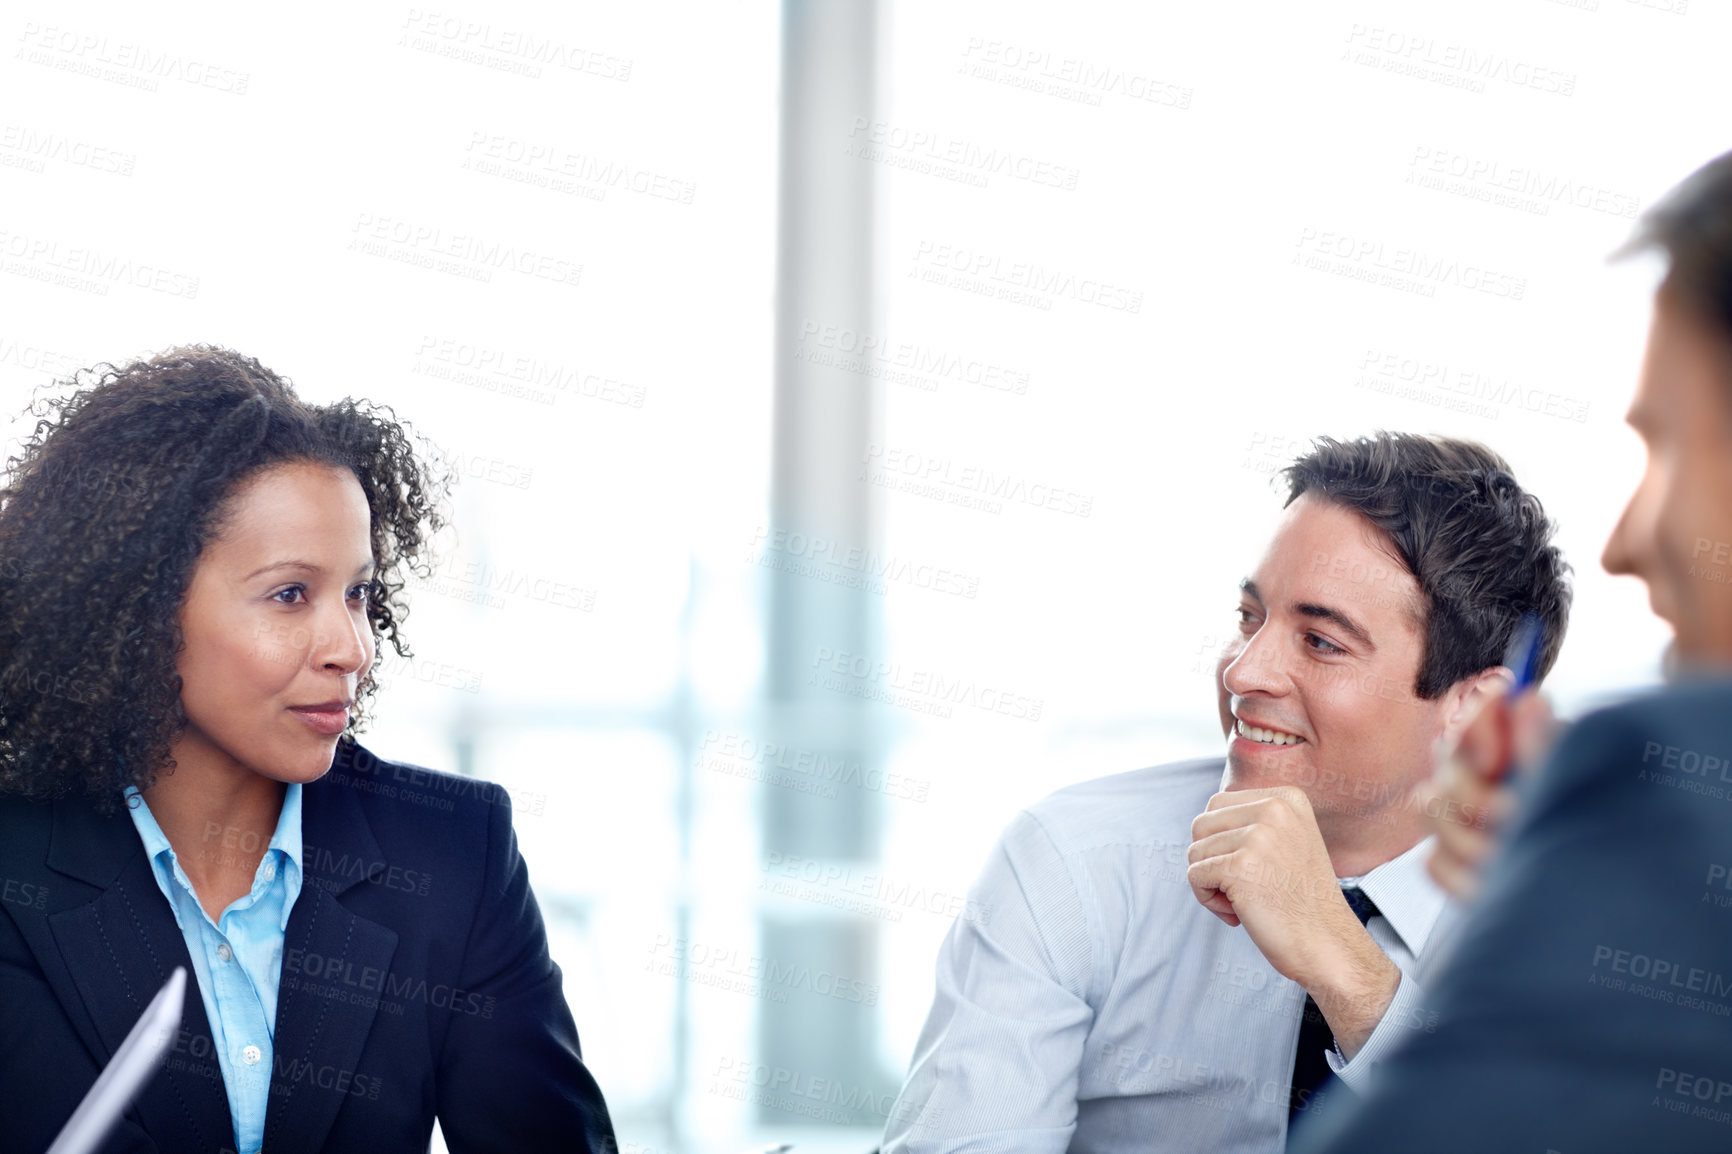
{"x": 117, "y": 951}
{"x": 329, "y": 995}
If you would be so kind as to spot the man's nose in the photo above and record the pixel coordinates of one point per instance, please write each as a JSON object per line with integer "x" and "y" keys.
{"x": 1258, "y": 668}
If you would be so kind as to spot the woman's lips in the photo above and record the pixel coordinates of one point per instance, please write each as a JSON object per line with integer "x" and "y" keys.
{"x": 329, "y": 722}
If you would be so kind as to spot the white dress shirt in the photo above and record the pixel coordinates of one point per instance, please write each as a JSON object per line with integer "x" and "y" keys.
{"x": 1092, "y": 1004}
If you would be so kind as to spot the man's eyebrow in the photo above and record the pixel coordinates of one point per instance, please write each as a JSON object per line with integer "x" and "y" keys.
{"x": 1347, "y": 624}
{"x": 1249, "y": 588}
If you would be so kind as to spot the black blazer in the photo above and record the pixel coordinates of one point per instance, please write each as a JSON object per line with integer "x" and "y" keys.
{"x": 1588, "y": 1004}
{"x": 415, "y": 981}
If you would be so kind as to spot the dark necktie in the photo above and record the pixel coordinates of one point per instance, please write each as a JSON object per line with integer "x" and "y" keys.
{"x": 1310, "y": 1066}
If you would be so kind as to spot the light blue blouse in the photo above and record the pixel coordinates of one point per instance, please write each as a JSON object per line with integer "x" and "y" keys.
{"x": 238, "y": 958}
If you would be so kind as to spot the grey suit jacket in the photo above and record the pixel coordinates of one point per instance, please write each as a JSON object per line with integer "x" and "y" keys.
{"x": 1588, "y": 1005}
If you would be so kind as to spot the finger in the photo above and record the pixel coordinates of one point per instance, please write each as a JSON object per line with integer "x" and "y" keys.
{"x": 1210, "y": 876}
{"x": 1462, "y": 798}
{"x": 1218, "y": 844}
{"x": 1483, "y": 748}
{"x": 1231, "y": 797}
{"x": 1533, "y": 728}
{"x": 1216, "y": 903}
{"x": 1455, "y": 878}
{"x": 1466, "y": 844}
{"x": 1211, "y": 897}
{"x": 1444, "y": 806}
{"x": 1235, "y": 877}
{"x": 1499, "y": 807}
{"x": 1426, "y": 795}
{"x": 1227, "y": 797}
{"x": 1215, "y": 820}
{"x": 1455, "y": 794}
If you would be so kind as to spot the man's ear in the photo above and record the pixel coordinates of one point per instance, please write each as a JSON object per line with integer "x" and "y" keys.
{"x": 1468, "y": 696}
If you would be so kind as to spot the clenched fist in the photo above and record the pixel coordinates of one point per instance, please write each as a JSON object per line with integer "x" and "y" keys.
{"x": 1258, "y": 860}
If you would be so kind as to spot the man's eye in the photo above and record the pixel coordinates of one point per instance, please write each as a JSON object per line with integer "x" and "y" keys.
{"x": 1322, "y": 645}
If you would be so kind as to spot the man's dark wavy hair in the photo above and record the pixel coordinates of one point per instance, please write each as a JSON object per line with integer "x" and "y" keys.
{"x": 103, "y": 516}
{"x": 1477, "y": 544}
{"x": 1692, "y": 225}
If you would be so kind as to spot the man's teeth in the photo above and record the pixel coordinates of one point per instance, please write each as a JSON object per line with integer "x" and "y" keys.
{"x": 1266, "y": 736}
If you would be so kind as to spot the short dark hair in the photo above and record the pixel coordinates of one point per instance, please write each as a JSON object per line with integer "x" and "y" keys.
{"x": 1692, "y": 224}
{"x": 103, "y": 516}
{"x": 1477, "y": 544}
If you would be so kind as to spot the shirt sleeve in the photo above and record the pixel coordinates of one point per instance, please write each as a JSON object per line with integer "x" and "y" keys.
{"x": 1406, "y": 1012}
{"x": 997, "y": 1064}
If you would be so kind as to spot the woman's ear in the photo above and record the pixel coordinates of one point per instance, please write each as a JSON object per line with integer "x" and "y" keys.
{"x": 1468, "y": 696}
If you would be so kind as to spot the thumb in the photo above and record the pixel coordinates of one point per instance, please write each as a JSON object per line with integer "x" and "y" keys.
{"x": 1532, "y": 728}
{"x": 1483, "y": 747}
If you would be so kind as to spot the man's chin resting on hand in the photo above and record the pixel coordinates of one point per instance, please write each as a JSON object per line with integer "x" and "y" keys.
{"x": 1192, "y": 956}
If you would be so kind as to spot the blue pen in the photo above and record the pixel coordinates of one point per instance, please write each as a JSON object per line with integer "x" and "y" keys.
{"x": 1522, "y": 658}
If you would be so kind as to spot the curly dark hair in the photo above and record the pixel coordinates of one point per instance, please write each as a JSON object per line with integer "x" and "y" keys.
{"x": 1478, "y": 544}
{"x": 125, "y": 479}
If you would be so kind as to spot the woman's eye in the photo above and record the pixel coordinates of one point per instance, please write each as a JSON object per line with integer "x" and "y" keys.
{"x": 290, "y": 596}
{"x": 361, "y": 592}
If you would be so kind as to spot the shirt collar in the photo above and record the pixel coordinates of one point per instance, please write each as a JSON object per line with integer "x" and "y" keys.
{"x": 155, "y": 841}
{"x": 1406, "y": 896}
{"x": 286, "y": 838}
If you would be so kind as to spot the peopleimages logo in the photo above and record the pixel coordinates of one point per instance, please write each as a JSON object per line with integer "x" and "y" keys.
{"x": 459, "y": 253}
{"x": 550, "y": 165}
{"x": 881, "y": 140}
{"x": 1066, "y": 77}
{"x": 815, "y": 1096}
{"x": 741, "y": 971}
{"x": 1461, "y": 387}
{"x": 1661, "y": 980}
{"x": 89, "y": 269}
{"x": 866, "y": 892}
{"x": 805, "y": 770}
{"x": 1018, "y": 281}
{"x": 921, "y": 690}
{"x": 961, "y": 483}
{"x": 122, "y": 62}
{"x": 320, "y": 976}
{"x": 901, "y": 362}
{"x": 853, "y": 567}
{"x": 1370, "y": 259}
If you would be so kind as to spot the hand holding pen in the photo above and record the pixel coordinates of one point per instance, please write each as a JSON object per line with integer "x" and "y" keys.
{"x": 1469, "y": 798}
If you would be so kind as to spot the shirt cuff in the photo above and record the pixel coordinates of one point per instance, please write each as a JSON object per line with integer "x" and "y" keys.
{"x": 1405, "y": 1010}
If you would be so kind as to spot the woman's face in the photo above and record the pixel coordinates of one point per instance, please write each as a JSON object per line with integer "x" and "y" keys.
{"x": 275, "y": 625}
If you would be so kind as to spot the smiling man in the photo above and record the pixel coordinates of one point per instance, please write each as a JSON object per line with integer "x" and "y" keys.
{"x": 1189, "y": 956}
{"x": 1587, "y": 1006}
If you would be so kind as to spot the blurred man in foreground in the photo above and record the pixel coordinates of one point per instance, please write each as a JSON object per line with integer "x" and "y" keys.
{"x": 1188, "y": 956}
{"x": 1589, "y": 1004}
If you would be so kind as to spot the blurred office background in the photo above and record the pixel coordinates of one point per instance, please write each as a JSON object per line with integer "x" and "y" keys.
{"x": 864, "y": 411}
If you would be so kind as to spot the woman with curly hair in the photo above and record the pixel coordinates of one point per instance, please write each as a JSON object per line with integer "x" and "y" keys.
{"x": 195, "y": 568}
